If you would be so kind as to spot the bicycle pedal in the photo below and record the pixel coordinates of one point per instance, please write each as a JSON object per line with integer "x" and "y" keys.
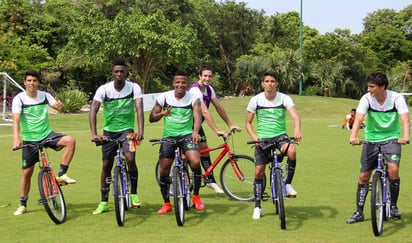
{"x": 40, "y": 202}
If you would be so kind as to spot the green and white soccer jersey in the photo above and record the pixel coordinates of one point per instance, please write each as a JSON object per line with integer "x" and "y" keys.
{"x": 383, "y": 122}
{"x": 271, "y": 114}
{"x": 180, "y": 120}
{"x": 34, "y": 119}
{"x": 118, "y": 106}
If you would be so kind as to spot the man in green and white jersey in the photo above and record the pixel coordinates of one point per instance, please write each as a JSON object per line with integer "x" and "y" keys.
{"x": 387, "y": 112}
{"x": 182, "y": 116}
{"x": 121, "y": 98}
{"x": 270, "y": 109}
{"x": 31, "y": 125}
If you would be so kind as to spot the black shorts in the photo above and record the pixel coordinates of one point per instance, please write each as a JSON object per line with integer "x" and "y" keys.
{"x": 30, "y": 155}
{"x": 263, "y": 154}
{"x": 109, "y": 149}
{"x": 168, "y": 147}
{"x": 369, "y": 157}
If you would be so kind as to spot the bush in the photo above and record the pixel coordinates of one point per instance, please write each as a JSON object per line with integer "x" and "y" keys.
{"x": 311, "y": 91}
{"x": 73, "y": 100}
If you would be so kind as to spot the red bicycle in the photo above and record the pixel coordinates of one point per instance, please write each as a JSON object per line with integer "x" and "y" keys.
{"x": 50, "y": 192}
{"x": 236, "y": 175}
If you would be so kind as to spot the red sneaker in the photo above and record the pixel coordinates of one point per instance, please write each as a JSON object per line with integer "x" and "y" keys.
{"x": 167, "y": 207}
{"x": 198, "y": 202}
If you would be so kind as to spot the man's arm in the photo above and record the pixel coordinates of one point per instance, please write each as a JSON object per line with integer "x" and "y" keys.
{"x": 405, "y": 128}
{"x": 355, "y": 128}
{"x": 296, "y": 120}
{"x": 16, "y": 130}
{"x": 197, "y": 120}
{"x": 94, "y": 108}
{"x": 249, "y": 127}
{"x": 222, "y": 113}
{"x": 138, "y": 103}
{"x": 156, "y": 114}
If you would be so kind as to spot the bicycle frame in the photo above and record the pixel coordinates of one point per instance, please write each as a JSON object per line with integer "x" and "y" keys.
{"x": 123, "y": 172}
{"x": 45, "y": 164}
{"x": 226, "y": 150}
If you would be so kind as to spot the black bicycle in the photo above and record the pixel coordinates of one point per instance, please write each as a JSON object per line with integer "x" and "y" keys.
{"x": 120, "y": 181}
{"x": 181, "y": 182}
{"x": 51, "y": 195}
{"x": 277, "y": 177}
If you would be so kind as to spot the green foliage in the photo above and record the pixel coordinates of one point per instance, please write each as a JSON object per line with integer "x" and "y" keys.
{"x": 73, "y": 99}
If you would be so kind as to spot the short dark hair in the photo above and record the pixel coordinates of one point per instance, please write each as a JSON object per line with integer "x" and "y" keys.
{"x": 180, "y": 73}
{"x": 119, "y": 63}
{"x": 353, "y": 109}
{"x": 379, "y": 78}
{"x": 204, "y": 68}
{"x": 32, "y": 73}
{"x": 270, "y": 73}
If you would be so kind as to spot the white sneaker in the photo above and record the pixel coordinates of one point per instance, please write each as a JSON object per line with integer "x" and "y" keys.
{"x": 290, "y": 191}
{"x": 215, "y": 187}
{"x": 256, "y": 213}
{"x": 20, "y": 210}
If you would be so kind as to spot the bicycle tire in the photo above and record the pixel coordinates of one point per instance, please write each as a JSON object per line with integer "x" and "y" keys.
{"x": 377, "y": 206}
{"x": 236, "y": 189}
{"x": 178, "y": 197}
{"x": 280, "y": 202}
{"x": 52, "y": 200}
{"x": 119, "y": 198}
{"x": 188, "y": 188}
{"x": 387, "y": 205}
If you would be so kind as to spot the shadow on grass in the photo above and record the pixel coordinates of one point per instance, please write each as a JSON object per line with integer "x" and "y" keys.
{"x": 296, "y": 216}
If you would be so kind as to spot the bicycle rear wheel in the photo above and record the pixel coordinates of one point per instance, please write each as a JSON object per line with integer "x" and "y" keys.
{"x": 237, "y": 178}
{"x": 51, "y": 196}
{"x": 119, "y": 197}
{"x": 178, "y": 196}
{"x": 279, "y": 198}
{"x": 377, "y": 205}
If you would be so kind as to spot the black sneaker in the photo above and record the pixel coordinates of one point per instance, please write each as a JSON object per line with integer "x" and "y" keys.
{"x": 356, "y": 217}
{"x": 395, "y": 214}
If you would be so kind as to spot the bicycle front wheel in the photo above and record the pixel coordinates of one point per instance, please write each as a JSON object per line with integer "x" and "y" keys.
{"x": 279, "y": 198}
{"x": 51, "y": 196}
{"x": 237, "y": 178}
{"x": 178, "y": 196}
{"x": 119, "y": 197}
{"x": 377, "y": 205}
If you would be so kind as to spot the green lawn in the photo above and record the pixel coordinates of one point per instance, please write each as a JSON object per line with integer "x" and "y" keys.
{"x": 326, "y": 177}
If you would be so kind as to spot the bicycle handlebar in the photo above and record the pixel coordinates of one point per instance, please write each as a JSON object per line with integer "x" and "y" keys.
{"x": 100, "y": 142}
{"x": 38, "y": 145}
{"x": 291, "y": 140}
{"x": 361, "y": 142}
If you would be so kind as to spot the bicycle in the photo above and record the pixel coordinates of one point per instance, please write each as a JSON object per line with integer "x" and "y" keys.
{"x": 380, "y": 191}
{"x": 120, "y": 181}
{"x": 237, "y": 172}
{"x": 51, "y": 195}
{"x": 181, "y": 182}
{"x": 277, "y": 177}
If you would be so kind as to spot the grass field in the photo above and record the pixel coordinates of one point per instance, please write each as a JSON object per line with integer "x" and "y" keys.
{"x": 326, "y": 177}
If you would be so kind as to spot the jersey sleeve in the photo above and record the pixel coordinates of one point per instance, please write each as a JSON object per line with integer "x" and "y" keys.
{"x": 401, "y": 105}
{"x": 288, "y": 102}
{"x": 363, "y": 105}
{"x": 212, "y": 92}
{"x": 52, "y": 101}
{"x": 161, "y": 99}
{"x": 251, "y": 107}
{"x": 16, "y": 104}
{"x": 137, "y": 91}
{"x": 195, "y": 92}
{"x": 99, "y": 95}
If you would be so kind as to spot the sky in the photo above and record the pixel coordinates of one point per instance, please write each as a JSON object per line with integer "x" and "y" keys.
{"x": 326, "y": 15}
